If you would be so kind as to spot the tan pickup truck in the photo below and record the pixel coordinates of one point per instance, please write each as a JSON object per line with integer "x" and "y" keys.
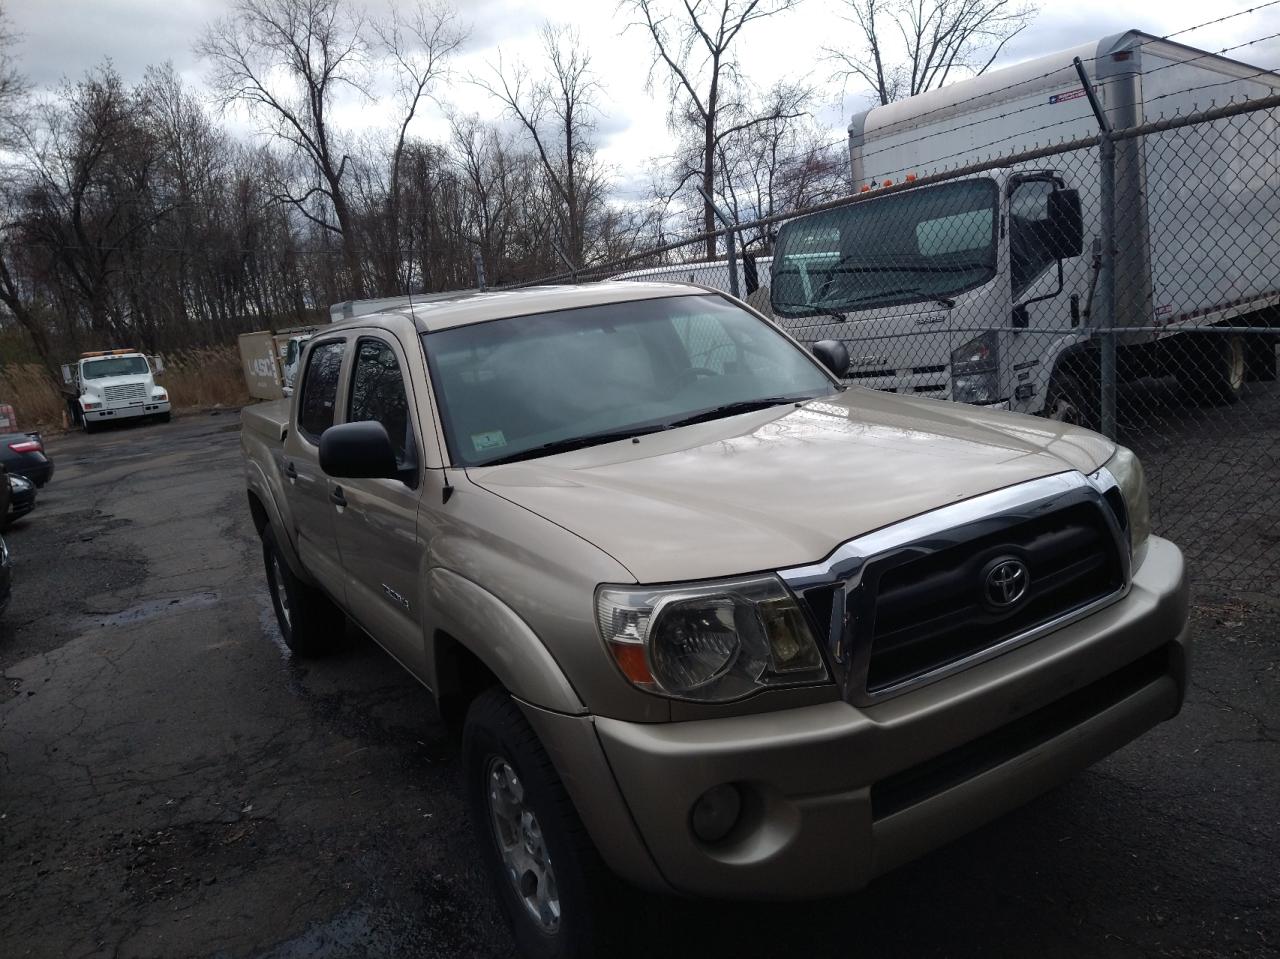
{"x": 711, "y": 622}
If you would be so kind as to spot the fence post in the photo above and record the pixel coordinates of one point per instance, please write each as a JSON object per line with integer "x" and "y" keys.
{"x": 479, "y": 262}
{"x": 564, "y": 258}
{"x": 1105, "y": 305}
{"x": 729, "y": 242}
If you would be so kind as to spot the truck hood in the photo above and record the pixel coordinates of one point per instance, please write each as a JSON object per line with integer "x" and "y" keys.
{"x": 785, "y": 486}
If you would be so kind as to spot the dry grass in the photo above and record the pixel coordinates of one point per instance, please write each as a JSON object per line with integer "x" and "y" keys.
{"x": 205, "y": 377}
{"x": 28, "y": 388}
{"x": 194, "y": 378}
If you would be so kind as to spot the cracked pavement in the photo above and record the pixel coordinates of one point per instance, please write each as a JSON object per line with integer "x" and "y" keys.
{"x": 173, "y": 784}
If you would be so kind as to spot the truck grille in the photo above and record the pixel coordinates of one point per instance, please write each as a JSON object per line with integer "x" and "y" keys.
{"x": 924, "y": 610}
{"x": 124, "y": 391}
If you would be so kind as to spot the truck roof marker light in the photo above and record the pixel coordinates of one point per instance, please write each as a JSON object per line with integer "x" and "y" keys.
{"x": 865, "y": 189}
{"x": 911, "y": 178}
{"x": 888, "y": 183}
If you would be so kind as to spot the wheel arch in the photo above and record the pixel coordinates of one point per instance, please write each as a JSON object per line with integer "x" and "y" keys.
{"x": 477, "y": 641}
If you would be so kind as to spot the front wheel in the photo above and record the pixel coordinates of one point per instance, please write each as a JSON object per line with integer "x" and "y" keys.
{"x": 559, "y": 899}
{"x": 87, "y": 425}
{"x": 1073, "y": 399}
{"x": 163, "y": 417}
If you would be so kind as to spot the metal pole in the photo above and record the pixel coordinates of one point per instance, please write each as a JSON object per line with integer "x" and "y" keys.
{"x": 1105, "y": 308}
{"x": 730, "y": 245}
{"x": 479, "y": 262}
{"x": 1107, "y": 285}
{"x": 564, "y": 258}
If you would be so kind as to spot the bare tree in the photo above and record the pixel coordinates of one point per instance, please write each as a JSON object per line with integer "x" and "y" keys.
{"x": 695, "y": 44}
{"x": 421, "y": 45}
{"x": 905, "y": 47}
{"x": 285, "y": 61}
{"x": 557, "y": 112}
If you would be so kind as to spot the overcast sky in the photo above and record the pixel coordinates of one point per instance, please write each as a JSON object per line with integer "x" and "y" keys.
{"x": 64, "y": 38}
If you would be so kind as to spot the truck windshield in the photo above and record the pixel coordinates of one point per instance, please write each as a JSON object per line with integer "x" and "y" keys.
{"x": 114, "y": 366}
{"x": 908, "y": 247}
{"x": 531, "y": 386}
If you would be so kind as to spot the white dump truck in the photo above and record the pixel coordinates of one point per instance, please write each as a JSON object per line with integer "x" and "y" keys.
{"x": 115, "y": 385}
{"x": 981, "y": 288}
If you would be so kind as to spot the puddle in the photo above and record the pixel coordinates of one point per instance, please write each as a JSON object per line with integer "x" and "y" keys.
{"x": 157, "y": 608}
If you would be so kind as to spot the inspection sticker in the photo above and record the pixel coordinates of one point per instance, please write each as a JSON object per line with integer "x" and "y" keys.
{"x": 491, "y": 440}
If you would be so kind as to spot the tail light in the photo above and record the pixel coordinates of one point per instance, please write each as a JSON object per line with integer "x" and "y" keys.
{"x": 26, "y": 446}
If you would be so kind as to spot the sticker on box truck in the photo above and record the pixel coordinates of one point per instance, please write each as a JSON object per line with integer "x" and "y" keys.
{"x": 1064, "y": 97}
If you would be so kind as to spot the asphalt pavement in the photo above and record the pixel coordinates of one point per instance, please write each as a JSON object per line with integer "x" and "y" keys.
{"x": 173, "y": 784}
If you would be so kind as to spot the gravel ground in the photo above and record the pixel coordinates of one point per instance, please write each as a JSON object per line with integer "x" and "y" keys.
{"x": 173, "y": 784}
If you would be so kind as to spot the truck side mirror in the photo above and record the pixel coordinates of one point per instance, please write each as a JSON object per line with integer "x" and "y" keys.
{"x": 1066, "y": 224}
{"x": 358, "y": 451}
{"x": 66, "y": 374}
{"x": 834, "y": 355}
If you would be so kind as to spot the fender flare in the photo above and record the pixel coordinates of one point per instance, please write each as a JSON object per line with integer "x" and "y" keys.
{"x": 487, "y": 628}
{"x": 259, "y": 491}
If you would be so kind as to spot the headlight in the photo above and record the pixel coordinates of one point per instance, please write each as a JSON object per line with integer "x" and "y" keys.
{"x": 159, "y": 394}
{"x": 709, "y": 642}
{"x": 1127, "y": 470}
{"x": 975, "y": 370}
{"x": 19, "y": 484}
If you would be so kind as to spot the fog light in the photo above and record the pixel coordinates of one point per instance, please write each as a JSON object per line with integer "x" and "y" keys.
{"x": 716, "y": 812}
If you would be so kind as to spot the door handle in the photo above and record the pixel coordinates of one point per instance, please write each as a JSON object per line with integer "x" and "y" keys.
{"x": 291, "y": 471}
{"x": 337, "y": 497}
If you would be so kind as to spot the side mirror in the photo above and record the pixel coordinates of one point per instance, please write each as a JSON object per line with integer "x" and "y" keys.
{"x": 66, "y": 375}
{"x": 834, "y": 355}
{"x": 1066, "y": 224}
{"x": 358, "y": 451}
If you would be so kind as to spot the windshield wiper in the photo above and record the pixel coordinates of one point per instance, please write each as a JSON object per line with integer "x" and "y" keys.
{"x": 946, "y": 301}
{"x": 575, "y": 443}
{"x": 824, "y": 310}
{"x": 733, "y": 409}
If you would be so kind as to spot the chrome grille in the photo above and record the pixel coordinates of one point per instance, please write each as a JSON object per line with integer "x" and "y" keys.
{"x": 904, "y": 605}
{"x": 124, "y": 391}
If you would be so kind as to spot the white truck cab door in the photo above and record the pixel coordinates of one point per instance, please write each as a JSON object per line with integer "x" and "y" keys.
{"x": 313, "y": 495}
{"x": 377, "y": 526}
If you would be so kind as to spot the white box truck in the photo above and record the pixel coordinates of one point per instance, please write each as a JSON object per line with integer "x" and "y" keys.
{"x": 980, "y": 288}
{"x": 111, "y": 385}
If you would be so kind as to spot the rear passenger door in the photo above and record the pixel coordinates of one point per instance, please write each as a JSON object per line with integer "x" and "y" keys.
{"x": 309, "y": 490}
{"x": 377, "y": 526}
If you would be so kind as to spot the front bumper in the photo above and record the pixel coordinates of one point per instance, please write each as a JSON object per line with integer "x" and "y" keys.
{"x": 835, "y": 795}
{"x": 150, "y": 408}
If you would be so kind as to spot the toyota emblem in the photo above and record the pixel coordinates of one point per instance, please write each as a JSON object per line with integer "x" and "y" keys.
{"x": 1006, "y": 582}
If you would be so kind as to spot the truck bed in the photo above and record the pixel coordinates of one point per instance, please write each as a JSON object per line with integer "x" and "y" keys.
{"x": 267, "y": 420}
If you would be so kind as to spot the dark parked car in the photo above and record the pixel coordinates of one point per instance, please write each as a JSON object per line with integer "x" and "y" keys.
{"x": 23, "y": 454}
{"x": 22, "y": 499}
{"x": 4, "y": 575}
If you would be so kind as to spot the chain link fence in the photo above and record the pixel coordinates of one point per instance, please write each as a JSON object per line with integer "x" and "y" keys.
{"x": 1126, "y": 280}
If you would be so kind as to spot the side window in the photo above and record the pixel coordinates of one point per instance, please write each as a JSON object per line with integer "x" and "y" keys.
{"x": 320, "y": 389}
{"x": 1030, "y": 252}
{"x": 378, "y": 393}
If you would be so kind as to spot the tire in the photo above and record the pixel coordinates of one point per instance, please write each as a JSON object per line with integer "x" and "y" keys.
{"x": 163, "y": 417}
{"x": 310, "y": 622}
{"x": 577, "y": 896}
{"x": 87, "y": 426}
{"x": 1260, "y": 355}
{"x": 1073, "y": 398}
{"x": 1217, "y": 369}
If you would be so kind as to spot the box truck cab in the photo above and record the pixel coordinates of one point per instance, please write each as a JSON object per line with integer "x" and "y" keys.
{"x": 118, "y": 384}
{"x": 982, "y": 288}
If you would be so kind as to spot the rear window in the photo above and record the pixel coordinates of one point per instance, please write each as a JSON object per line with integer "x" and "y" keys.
{"x": 320, "y": 389}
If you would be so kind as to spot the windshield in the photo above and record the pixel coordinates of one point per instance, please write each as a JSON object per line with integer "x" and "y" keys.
{"x": 534, "y": 385}
{"x": 908, "y": 247}
{"x": 114, "y": 366}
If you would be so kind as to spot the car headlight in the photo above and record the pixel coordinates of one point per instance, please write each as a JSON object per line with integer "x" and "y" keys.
{"x": 1127, "y": 469}
{"x": 709, "y": 642}
{"x": 159, "y": 394}
{"x": 19, "y": 484}
{"x": 975, "y": 370}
